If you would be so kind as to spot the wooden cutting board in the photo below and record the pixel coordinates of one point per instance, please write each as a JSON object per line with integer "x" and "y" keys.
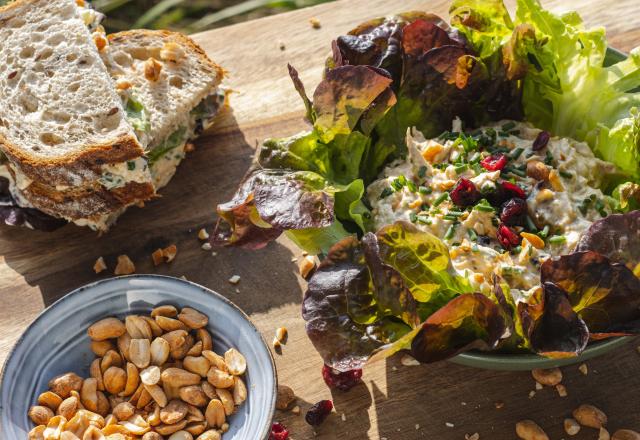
{"x": 441, "y": 401}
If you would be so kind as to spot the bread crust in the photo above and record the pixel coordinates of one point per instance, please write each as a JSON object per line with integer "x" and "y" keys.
{"x": 65, "y": 169}
{"x": 89, "y": 204}
{"x": 175, "y": 37}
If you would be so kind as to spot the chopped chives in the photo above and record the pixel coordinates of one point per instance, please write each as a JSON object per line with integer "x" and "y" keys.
{"x": 449, "y": 217}
{"x": 450, "y": 232}
{"x": 503, "y": 134}
{"x": 475, "y": 248}
{"x": 545, "y": 232}
{"x": 131, "y": 166}
{"x": 441, "y": 198}
{"x": 484, "y": 207}
{"x": 397, "y": 185}
{"x": 424, "y": 219}
{"x": 412, "y": 186}
{"x": 425, "y": 190}
{"x": 516, "y": 153}
{"x": 413, "y": 217}
{"x": 455, "y": 213}
{"x": 557, "y": 239}
{"x": 508, "y": 126}
{"x": 386, "y": 192}
{"x": 565, "y": 174}
{"x": 461, "y": 168}
{"x": 472, "y": 234}
{"x": 517, "y": 249}
{"x": 515, "y": 171}
{"x": 548, "y": 159}
{"x": 422, "y": 171}
{"x": 402, "y": 179}
{"x": 530, "y": 224}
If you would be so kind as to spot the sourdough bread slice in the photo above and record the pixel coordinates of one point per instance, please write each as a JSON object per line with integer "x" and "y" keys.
{"x": 61, "y": 118}
{"x": 170, "y": 78}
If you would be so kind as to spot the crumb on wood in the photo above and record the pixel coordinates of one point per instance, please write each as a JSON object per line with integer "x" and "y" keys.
{"x": 125, "y": 266}
{"x": 99, "y": 265}
{"x": 315, "y": 23}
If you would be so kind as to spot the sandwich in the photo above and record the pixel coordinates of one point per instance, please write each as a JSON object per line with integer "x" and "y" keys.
{"x": 93, "y": 124}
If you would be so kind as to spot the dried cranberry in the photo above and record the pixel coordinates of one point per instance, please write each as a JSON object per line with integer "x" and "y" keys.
{"x": 342, "y": 381}
{"x": 494, "y": 162}
{"x": 541, "y": 141}
{"x": 514, "y": 212}
{"x": 464, "y": 193}
{"x": 318, "y": 412}
{"x": 507, "y": 237}
{"x": 512, "y": 190}
{"x": 278, "y": 432}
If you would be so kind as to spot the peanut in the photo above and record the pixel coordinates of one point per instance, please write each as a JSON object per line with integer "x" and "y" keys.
{"x": 284, "y": 397}
{"x": 196, "y": 350}
{"x": 550, "y": 377}
{"x": 589, "y": 415}
{"x": 529, "y": 430}
{"x": 68, "y": 407}
{"x": 179, "y": 378}
{"x": 219, "y": 378}
{"x": 215, "y": 359}
{"x": 111, "y": 358}
{"x": 132, "y": 380}
{"x": 138, "y": 327}
{"x": 625, "y": 434}
{"x": 160, "y": 350}
{"x": 124, "y": 411}
{"x": 100, "y": 348}
{"x": 63, "y": 384}
{"x": 215, "y": 413}
{"x": 194, "y": 395}
{"x": 537, "y": 170}
{"x": 115, "y": 380}
{"x": 175, "y": 411}
{"x": 239, "y": 391}
{"x": 140, "y": 352}
{"x": 211, "y": 434}
{"x": 196, "y": 428}
{"x": 170, "y": 429}
{"x": 170, "y": 324}
{"x": 236, "y": 363}
{"x": 181, "y": 435}
{"x": 167, "y": 310}
{"x": 50, "y": 400}
{"x": 171, "y": 52}
{"x": 150, "y": 375}
{"x": 89, "y": 394}
{"x": 157, "y": 393}
{"x": 40, "y": 415}
{"x": 205, "y": 337}
{"x": 192, "y": 318}
{"x": 227, "y": 400}
{"x": 198, "y": 365}
{"x": 571, "y": 427}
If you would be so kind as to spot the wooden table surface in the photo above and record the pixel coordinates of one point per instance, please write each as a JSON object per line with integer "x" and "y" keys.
{"x": 440, "y": 401}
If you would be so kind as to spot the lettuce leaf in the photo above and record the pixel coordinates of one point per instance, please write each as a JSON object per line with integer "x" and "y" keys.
{"x": 367, "y": 300}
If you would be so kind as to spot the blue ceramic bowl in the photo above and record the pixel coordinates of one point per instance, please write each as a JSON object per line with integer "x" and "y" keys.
{"x": 57, "y": 342}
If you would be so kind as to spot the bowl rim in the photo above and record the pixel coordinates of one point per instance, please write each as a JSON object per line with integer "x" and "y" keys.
{"x": 161, "y": 278}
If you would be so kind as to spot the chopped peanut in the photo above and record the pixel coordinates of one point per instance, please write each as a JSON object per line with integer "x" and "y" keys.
{"x": 556, "y": 183}
{"x": 100, "y": 41}
{"x": 544, "y": 195}
{"x": 157, "y": 257}
{"x": 125, "y": 266}
{"x": 203, "y": 234}
{"x": 152, "y": 69}
{"x": 171, "y": 52}
{"x": 432, "y": 150}
{"x": 315, "y": 23}
{"x": 307, "y": 265}
{"x": 415, "y": 204}
{"x": 99, "y": 265}
{"x": 535, "y": 241}
{"x": 169, "y": 253}
{"x": 123, "y": 84}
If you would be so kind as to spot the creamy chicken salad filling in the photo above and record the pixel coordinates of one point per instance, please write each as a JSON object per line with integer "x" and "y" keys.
{"x": 504, "y": 198}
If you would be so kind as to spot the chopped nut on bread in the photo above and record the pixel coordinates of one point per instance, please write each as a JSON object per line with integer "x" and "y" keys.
{"x": 152, "y": 69}
{"x": 171, "y": 52}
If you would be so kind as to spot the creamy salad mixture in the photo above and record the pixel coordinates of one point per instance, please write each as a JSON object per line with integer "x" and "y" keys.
{"x": 503, "y": 198}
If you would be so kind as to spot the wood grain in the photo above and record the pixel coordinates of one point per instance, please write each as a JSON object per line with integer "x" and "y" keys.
{"x": 395, "y": 402}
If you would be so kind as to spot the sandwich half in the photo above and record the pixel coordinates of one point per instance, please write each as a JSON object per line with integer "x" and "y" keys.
{"x": 167, "y": 93}
{"x": 62, "y": 124}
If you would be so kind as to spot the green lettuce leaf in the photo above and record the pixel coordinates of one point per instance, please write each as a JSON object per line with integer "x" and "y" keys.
{"x": 566, "y": 76}
{"x": 367, "y": 299}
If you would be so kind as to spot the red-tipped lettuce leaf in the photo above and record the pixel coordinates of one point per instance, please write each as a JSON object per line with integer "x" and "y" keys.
{"x": 551, "y": 325}
{"x": 468, "y": 322}
{"x": 604, "y": 294}
{"x": 616, "y": 236}
{"x": 14, "y": 215}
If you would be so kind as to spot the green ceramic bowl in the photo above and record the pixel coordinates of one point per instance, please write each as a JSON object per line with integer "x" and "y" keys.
{"x": 518, "y": 362}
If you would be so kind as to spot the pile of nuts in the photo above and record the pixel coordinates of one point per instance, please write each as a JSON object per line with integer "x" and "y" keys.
{"x": 154, "y": 377}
